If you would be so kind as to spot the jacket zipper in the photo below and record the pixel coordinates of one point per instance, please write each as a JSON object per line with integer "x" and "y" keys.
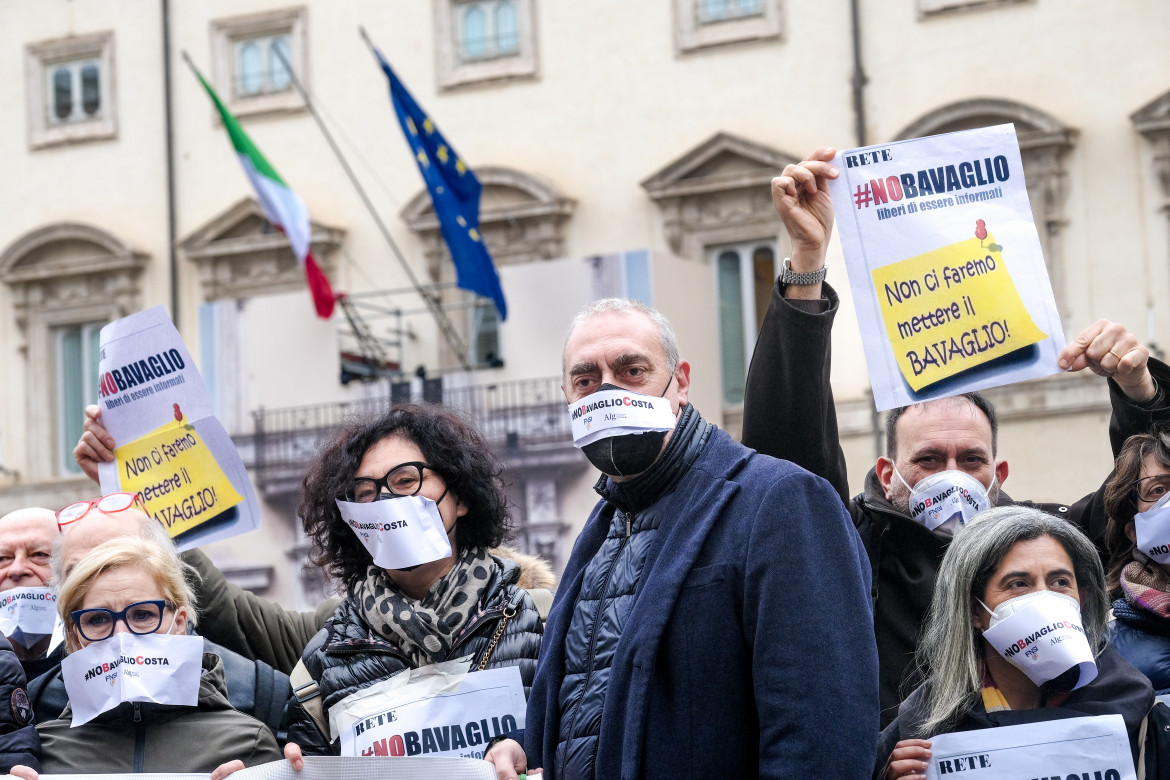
{"x": 596, "y": 619}
{"x": 139, "y": 741}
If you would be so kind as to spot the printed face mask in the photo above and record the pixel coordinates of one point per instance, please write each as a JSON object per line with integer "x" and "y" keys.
{"x": 160, "y": 668}
{"x": 27, "y": 615}
{"x": 620, "y": 431}
{"x": 1153, "y": 530}
{"x": 399, "y": 533}
{"x": 946, "y": 501}
{"x": 1041, "y": 634}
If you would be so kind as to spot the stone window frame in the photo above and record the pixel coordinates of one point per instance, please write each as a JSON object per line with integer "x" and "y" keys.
{"x": 702, "y": 211}
{"x": 50, "y": 292}
{"x": 451, "y": 72}
{"x": 250, "y": 265}
{"x": 1152, "y": 121}
{"x": 39, "y": 57}
{"x": 226, "y": 32}
{"x": 692, "y": 35}
{"x": 1045, "y": 143}
{"x": 930, "y": 8}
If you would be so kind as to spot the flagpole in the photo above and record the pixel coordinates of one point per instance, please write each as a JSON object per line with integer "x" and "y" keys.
{"x": 454, "y": 340}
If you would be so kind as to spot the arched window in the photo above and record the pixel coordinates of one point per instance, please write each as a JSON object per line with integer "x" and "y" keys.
{"x": 474, "y": 33}
{"x": 507, "y": 32}
{"x": 62, "y": 92}
{"x": 251, "y": 68}
{"x": 280, "y": 77}
{"x": 91, "y": 94}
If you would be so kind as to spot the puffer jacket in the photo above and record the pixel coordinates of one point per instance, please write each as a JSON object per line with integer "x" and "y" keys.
{"x": 1143, "y": 639}
{"x": 146, "y": 737}
{"x": 347, "y": 655}
{"x": 19, "y": 743}
{"x": 607, "y": 593}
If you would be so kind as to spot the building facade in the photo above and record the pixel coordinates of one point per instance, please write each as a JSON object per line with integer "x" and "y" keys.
{"x": 624, "y": 148}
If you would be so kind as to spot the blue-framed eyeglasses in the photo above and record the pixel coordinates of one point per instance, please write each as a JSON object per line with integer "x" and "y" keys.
{"x": 142, "y": 617}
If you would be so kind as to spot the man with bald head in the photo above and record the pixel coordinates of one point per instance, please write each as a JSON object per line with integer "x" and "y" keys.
{"x": 26, "y": 545}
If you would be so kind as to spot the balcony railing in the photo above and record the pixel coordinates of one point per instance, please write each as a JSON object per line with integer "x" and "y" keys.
{"x": 515, "y": 417}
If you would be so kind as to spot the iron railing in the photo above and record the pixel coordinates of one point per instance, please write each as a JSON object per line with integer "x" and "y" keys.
{"x": 513, "y": 416}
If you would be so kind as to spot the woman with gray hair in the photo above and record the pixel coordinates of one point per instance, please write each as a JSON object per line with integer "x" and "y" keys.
{"x": 1014, "y": 575}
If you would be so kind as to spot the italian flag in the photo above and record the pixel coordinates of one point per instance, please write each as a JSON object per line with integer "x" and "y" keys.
{"x": 282, "y": 207}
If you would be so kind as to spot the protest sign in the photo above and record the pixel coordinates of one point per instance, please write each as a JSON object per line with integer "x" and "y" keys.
{"x": 171, "y": 448}
{"x": 948, "y": 277}
{"x": 334, "y": 768}
{"x": 1093, "y": 747}
{"x": 438, "y": 710}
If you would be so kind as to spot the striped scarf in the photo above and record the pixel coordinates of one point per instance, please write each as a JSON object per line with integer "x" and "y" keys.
{"x": 1146, "y": 585}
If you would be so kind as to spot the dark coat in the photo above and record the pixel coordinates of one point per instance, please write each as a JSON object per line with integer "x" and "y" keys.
{"x": 789, "y": 413}
{"x": 347, "y": 655}
{"x": 1118, "y": 689}
{"x": 749, "y": 648}
{"x": 1143, "y": 640}
{"x": 146, "y": 737}
{"x": 19, "y": 743}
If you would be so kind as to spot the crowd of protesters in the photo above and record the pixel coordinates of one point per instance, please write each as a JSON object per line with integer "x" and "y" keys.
{"x": 729, "y": 609}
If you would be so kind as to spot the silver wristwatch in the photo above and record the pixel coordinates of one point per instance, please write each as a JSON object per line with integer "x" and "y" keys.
{"x": 788, "y": 276}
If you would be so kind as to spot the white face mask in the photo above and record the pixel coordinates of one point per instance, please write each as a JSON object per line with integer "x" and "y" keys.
{"x": 1041, "y": 634}
{"x": 27, "y": 615}
{"x": 157, "y": 668}
{"x": 946, "y": 501}
{"x": 1153, "y": 530}
{"x": 399, "y": 533}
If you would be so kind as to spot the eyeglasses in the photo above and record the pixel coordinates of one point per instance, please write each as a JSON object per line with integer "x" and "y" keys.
{"x": 403, "y": 480}
{"x": 1152, "y": 488}
{"x": 143, "y": 617}
{"x": 113, "y": 502}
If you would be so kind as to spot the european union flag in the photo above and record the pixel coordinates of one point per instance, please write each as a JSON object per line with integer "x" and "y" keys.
{"x": 454, "y": 193}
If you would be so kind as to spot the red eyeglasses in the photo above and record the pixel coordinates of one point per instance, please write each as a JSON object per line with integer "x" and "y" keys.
{"x": 113, "y": 502}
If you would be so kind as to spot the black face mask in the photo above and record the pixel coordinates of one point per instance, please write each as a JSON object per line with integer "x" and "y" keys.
{"x": 629, "y": 454}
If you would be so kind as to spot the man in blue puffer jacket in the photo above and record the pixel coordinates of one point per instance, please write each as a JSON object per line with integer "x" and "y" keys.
{"x": 19, "y": 743}
{"x": 714, "y": 617}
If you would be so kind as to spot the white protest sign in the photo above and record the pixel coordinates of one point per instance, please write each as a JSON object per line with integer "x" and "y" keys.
{"x": 948, "y": 277}
{"x": 1092, "y": 747}
{"x": 129, "y": 667}
{"x": 618, "y": 412}
{"x": 438, "y": 710}
{"x": 171, "y": 448}
{"x": 334, "y": 768}
{"x": 398, "y": 532}
{"x": 28, "y": 615}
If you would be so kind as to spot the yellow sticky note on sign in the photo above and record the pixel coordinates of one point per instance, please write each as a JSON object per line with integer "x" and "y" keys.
{"x": 952, "y": 309}
{"x": 177, "y": 476}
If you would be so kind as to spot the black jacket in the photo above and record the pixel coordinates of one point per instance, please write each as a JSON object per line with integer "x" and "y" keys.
{"x": 1118, "y": 689}
{"x": 789, "y": 413}
{"x": 347, "y": 655}
{"x": 19, "y": 743}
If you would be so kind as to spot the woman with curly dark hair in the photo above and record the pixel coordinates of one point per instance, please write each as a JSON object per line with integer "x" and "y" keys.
{"x": 1136, "y": 538}
{"x": 405, "y": 609}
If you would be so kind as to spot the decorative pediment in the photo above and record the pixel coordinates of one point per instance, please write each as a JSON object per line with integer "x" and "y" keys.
{"x": 719, "y": 191}
{"x": 241, "y": 255}
{"x": 72, "y": 267}
{"x": 521, "y": 219}
{"x": 1153, "y": 121}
